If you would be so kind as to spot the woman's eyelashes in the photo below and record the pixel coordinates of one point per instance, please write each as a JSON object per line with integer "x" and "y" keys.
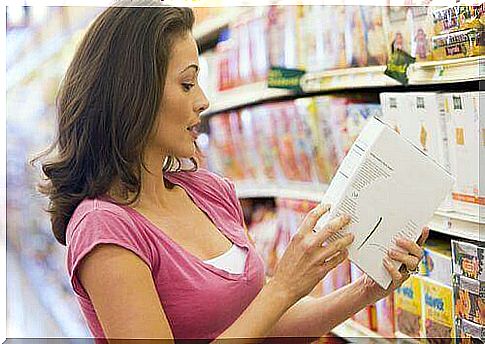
{"x": 187, "y": 86}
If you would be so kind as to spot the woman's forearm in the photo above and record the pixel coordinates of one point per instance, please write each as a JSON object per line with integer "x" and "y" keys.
{"x": 256, "y": 322}
{"x": 314, "y": 317}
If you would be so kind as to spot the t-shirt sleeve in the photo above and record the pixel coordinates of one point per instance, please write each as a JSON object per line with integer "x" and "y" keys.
{"x": 234, "y": 200}
{"x": 101, "y": 226}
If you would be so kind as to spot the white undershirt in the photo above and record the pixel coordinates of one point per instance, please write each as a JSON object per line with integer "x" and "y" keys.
{"x": 232, "y": 261}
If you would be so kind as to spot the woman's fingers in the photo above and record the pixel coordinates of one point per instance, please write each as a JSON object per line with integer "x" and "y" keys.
{"x": 338, "y": 245}
{"x": 312, "y": 218}
{"x": 411, "y": 262}
{"x": 335, "y": 260}
{"x": 411, "y": 247}
{"x": 332, "y": 227}
{"x": 424, "y": 236}
{"x": 395, "y": 274}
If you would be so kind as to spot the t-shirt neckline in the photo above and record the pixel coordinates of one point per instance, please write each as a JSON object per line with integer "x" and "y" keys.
{"x": 215, "y": 222}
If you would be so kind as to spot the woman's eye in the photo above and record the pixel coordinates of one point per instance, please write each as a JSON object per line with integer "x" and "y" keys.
{"x": 187, "y": 86}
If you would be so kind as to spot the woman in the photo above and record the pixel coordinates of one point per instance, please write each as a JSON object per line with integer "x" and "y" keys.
{"x": 146, "y": 245}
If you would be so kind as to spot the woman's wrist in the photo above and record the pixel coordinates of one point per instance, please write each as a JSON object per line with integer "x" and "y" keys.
{"x": 281, "y": 294}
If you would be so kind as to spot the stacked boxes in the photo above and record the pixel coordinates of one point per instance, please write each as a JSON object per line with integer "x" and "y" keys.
{"x": 408, "y": 308}
{"x": 466, "y": 133}
{"x": 469, "y": 290}
{"x": 458, "y": 31}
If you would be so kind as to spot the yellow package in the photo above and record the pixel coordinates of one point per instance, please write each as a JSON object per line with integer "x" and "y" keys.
{"x": 458, "y": 44}
{"x": 407, "y": 307}
{"x": 458, "y": 17}
{"x": 438, "y": 311}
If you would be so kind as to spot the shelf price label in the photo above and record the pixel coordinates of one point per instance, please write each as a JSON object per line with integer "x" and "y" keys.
{"x": 286, "y": 78}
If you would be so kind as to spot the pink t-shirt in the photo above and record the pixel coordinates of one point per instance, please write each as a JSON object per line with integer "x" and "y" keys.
{"x": 199, "y": 300}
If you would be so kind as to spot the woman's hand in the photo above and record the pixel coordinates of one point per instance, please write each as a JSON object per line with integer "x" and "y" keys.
{"x": 410, "y": 255}
{"x": 309, "y": 257}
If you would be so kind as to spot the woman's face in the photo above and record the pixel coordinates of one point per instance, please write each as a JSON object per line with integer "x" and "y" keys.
{"x": 183, "y": 101}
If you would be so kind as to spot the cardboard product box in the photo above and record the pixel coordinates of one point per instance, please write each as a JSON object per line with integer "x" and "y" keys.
{"x": 436, "y": 263}
{"x": 397, "y": 25}
{"x": 385, "y": 316}
{"x": 338, "y": 125}
{"x": 425, "y": 125}
{"x": 469, "y": 299}
{"x": 408, "y": 308}
{"x": 266, "y": 142}
{"x": 375, "y": 35}
{"x": 459, "y": 44}
{"x": 254, "y": 167}
{"x": 358, "y": 115}
{"x": 466, "y": 133}
{"x": 286, "y": 140}
{"x": 333, "y": 21}
{"x": 468, "y": 332}
{"x": 468, "y": 259}
{"x": 327, "y": 141}
{"x": 438, "y": 312}
{"x": 312, "y": 144}
{"x": 258, "y": 40}
{"x": 221, "y": 139}
{"x": 421, "y": 32}
{"x": 458, "y": 17}
{"x": 284, "y": 36}
{"x": 313, "y": 41}
{"x": 301, "y": 133}
{"x": 393, "y": 105}
{"x": 355, "y": 37}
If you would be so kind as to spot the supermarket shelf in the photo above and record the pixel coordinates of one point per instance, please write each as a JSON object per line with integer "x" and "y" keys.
{"x": 357, "y": 333}
{"x": 245, "y": 95}
{"x": 421, "y": 73}
{"x": 450, "y": 223}
{"x": 440, "y": 72}
{"x": 458, "y": 224}
{"x": 348, "y": 78}
{"x": 294, "y": 190}
{"x": 209, "y": 27}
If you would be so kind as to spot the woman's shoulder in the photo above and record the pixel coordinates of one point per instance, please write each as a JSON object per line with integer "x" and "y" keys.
{"x": 100, "y": 208}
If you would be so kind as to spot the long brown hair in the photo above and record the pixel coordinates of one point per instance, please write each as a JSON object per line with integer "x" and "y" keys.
{"x": 107, "y": 105}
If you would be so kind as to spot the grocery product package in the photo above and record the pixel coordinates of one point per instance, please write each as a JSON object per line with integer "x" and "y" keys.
{"x": 460, "y": 16}
{"x": 355, "y": 37}
{"x": 254, "y": 162}
{"x": 375, "y": 35}
{"x": 286, "y": 140}
{"x": 466, "y": 133}
{"x": 469, "y": 297}
{"x": 421, "y": 32}
{"x": 438, "y": 317}
{"x": 264, "y": 231}
{"x": 424, "y": 124}
{"x": 407, "y": 305}
{"x": 382, "y": 172}
{"x": 385, "y": 316}
{"x": 398, "y": 28}
{"x": 267, "y": 142}
{"x": 221, "y": 140}
{"x": 468, "y": 259}
{"x": 468, "y": 332}
{"x": 459, "y": 44}
{"x": 436, "y": 262}
{"x": 333, "y": 22}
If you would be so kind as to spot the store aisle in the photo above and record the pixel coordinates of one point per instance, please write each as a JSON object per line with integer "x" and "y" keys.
{"x": 26, "y": 316}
